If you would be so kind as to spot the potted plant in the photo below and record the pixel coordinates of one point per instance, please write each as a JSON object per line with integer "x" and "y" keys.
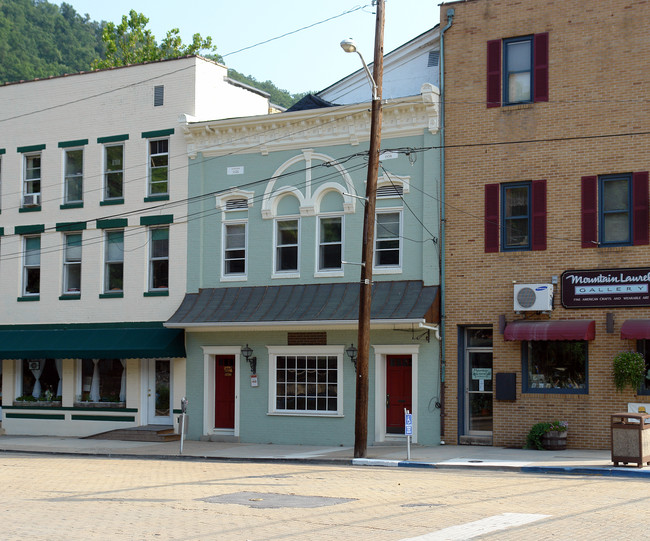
{"x": 549, "y": 436}
{"x": 629, "y": 370}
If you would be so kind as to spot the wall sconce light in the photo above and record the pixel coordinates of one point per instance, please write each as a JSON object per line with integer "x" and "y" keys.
{"x": 352, "y": 353}
{"x": 247, "y": 352}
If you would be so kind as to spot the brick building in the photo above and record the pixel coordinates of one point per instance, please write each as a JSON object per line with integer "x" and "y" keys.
{"x": 546, "y": 189}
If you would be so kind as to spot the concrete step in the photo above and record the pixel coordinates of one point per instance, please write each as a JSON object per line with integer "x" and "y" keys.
{"x": 154, "y": 433}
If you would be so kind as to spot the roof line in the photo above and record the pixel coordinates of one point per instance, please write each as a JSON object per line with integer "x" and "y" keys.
{"x": 300, "y": 323}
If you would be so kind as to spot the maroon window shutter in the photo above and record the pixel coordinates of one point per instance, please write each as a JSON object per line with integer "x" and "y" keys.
{"x": 491, "y": 217}
{"x": 589, "y": 212}
{"x": 540, "y": 48}
{"x": 494, "y": 73}
{"x": 538, "y": 215}
{"x": 640, "y": 208}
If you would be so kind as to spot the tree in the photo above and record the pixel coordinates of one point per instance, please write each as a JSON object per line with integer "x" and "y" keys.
{"x": 131, "y": 43}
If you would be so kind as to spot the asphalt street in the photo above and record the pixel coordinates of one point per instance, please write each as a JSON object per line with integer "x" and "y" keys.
{"x": 50, "y": 497}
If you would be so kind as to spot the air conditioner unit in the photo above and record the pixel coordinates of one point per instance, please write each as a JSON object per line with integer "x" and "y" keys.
{"x": 31, "y": 199}
{"x": 533, "y": 297}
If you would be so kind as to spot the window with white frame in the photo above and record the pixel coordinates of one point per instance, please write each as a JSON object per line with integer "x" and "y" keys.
{"x": 72, "y": 264}
{"x": 306, "y": 380}
{"x": 73, "y": 176}
{"x": 234, "y": 249}
{"x": 286, "y": 245}
{"x": 32, "y": 266}
{"x": 158, "y": 167}
{"x": 32, "y": 179}
{"x": 102, "y": 380}
{"x": 330, "y": 243}
{"x": 113, "y": 172}
{"x": 159, "y": 259}
{"x": 388, "y": 245}
{"x": 114, "y": 261}
{"x": 39, "y": 379}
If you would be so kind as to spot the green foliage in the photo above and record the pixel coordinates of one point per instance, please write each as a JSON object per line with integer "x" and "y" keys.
{"x": 131, "y": 43}
{"x": 278, "y": 96}
{"x": 534, "y": 437}
{"x": 629, "y": 370}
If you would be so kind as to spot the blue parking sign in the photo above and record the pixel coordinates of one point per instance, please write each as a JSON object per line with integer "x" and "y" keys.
{"x": 408, "y": 424}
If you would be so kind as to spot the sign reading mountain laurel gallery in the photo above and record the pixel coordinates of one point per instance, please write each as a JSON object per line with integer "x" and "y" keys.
{"x": 608, "y": 288}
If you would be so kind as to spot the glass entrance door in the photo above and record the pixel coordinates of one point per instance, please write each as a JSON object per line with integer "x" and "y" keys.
{"x": 159, "y": 392}
{"x": 478, "y": 382}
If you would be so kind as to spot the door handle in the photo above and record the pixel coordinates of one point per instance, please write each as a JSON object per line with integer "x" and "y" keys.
{"x": 387, "y": 400}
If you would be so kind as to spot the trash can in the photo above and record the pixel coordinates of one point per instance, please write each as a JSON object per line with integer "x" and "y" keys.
{"x": 631, "y": 438}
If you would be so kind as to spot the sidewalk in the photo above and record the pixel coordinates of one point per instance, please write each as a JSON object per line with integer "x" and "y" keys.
{"x": 570, "y": 461}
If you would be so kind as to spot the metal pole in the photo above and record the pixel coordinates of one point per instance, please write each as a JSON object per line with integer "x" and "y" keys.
{"x": 365, "y": 292}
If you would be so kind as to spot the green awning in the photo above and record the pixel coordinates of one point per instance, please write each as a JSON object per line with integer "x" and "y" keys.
{"x": 90, "y": 342}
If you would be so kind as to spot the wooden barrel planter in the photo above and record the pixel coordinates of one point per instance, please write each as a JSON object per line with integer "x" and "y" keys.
{"x": 554, "y": 440}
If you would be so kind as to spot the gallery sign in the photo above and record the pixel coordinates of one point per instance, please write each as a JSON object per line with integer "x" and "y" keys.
{"x": 609, "y": 288}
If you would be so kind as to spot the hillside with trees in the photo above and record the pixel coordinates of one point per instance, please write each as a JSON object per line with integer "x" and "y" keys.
{"x": 40, "y": 39}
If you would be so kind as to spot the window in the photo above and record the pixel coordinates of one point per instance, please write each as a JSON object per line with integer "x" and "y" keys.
{"x": 643, "y": 347}
{"x": 286, "y": 245}
{"x": 158, "y": 95}
{"x": 555, "y": 366}
{"x": 159, "y": 167}
{"x": 32, "y": 266}
{"x": 102, "y": 381}
{"x": 159, "y": 258}
{"x": 234, "y": 251}
{"x": 73, "y": 176}
{"x": 330, "y": 245}
{"x": 520, "y": 65}
{"x": 615, "y": 210}
{"x": 519, "y": 223}
{"x": 32, "y": 180}
{"x": 40, "y": 379}
{"x": 388, "y": 239}
{"x": 306, "y": 380}
{"x": 515, "y": 216}
{"x": 72, "y": 264}
{"x": 114, "y": 261}
{"x": 113, "y": 172}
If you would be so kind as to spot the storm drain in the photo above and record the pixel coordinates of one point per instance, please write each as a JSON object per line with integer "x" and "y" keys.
{"x": 266, "y": 500}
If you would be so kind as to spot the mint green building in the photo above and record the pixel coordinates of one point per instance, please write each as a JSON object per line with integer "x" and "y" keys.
{"x": 275, "y": 220}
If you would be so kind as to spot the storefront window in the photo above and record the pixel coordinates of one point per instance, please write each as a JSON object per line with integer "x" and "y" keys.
{"x": 40, "y": 381}
{"x": 103, "y": 380}
{"x": 555, "y": 367}
{"x": 644, "y": 347}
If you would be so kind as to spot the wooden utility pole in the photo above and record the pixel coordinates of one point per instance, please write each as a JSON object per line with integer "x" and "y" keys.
{"x": 365, "y": 292}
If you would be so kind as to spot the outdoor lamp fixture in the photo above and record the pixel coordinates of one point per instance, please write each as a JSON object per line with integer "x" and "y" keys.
{"x": 247, "y": 352}
{"x": 352, "y": 353}
{"x": 349, "y": 46}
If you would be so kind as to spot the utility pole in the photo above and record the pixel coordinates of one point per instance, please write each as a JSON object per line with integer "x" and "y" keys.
{"x": 365, "y": 292}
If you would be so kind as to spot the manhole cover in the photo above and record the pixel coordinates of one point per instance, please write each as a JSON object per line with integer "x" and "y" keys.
{"x": 265, "y": 500}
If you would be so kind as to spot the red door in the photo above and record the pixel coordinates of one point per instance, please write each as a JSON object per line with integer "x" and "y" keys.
{"x": 398, "y": 391}
{"x": 224, "y": 392}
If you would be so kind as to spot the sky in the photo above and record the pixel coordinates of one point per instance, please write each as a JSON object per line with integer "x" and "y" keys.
{"x": 308, "y": 60}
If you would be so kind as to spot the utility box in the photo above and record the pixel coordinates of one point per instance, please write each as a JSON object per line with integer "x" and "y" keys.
{"x": 631, "y": 438}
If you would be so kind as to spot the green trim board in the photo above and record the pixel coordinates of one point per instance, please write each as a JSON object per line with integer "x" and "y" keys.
{"x": 75, "y": 143}
{"x": 29, "y": 299}
{"x": 113, "y": 138}
{"x": 116, "y": 295}
{"x": 112, "y": 223}
{"x": 118, "y": 418}
{"x": 37, "y": 208}
{"x": 78, "y": 408}
{"x": 154, "y": 198}
{"x": 71, "y": 206}
{"x": 156, "y": 293}
{"x": 2, "y": 231}
{"x": 29, "y": 229}
{"x": 70, "y": 297}
{"x": 55, "y": 417}
{"x": 31, "y": 148}
{"x": 77, "y": 326}
{"x": 157, "y": 133}
{"x": 2, "y": 151}
{"x": 107, "y": 202}
{"x": 157, "y": 220}
{"x": 71, "y": 226}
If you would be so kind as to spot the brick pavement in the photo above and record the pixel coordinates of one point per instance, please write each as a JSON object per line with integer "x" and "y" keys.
{"x": 52, "y": 498}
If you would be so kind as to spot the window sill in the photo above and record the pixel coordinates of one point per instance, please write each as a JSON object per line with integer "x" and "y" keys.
{"x": 78, "y": 205}
{"x": 329, "y": 274}
{"x": 70, "y": 297}
{"x": 111, "y": 202}
{"x": 164, "y": 293}
{"x": 115, "y": 295}
{"x": 516, "y": 106}
{"x": 279, "y": 276}
{"x": 563, "y": 392}
{"x": 304, "y": 414}
{"x": 235, "y": 278}
{"x": 29, "y": 298}
{"x": 153, "y": 198}
{"x": 36, "y": 208}
{"x": 387, "y": 270}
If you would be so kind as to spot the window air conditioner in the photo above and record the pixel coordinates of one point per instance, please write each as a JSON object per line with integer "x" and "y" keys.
{"x": 533, "y": 297}
{"x": 31, "y": 199}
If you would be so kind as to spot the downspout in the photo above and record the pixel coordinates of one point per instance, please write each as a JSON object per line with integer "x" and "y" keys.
{"x": 450, "y": 20}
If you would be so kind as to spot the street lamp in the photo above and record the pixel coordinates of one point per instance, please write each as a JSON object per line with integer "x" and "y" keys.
{"x": 349, "y": 46}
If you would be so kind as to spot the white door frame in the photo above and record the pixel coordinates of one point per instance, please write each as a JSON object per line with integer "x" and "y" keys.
{"x": 380, "y": 387}
{"x": 148, "y": 369}
{"x": 209, "y": 372}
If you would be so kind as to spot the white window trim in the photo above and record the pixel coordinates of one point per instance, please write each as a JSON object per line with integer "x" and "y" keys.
{"x": 67, "y": 201}
{"x": 291, "y": 273}
{"x": 67, "y": 264}
{"x": 242, "y": 277}
{"x": 40, "y": 253}
{"x": 106, "y": 261}
{"x": 327, "y": 273}
{"x": 152, "y": 258}
{"x": 25, "y": 181}
{"x": 105, "y": 196}
{"x": 389, "y": 269}
{"x": 150, "y": 193}
{"x": 274, "y": 351}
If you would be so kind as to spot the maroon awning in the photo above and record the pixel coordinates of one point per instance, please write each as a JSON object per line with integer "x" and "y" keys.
{"x": 568, "y": 329}
{"x": 635, "y": 329}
